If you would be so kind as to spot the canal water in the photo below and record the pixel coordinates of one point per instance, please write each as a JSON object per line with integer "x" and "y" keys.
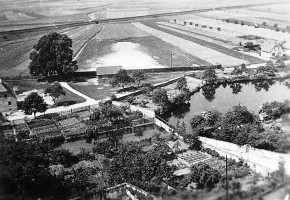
{"x": 222, "y": 97}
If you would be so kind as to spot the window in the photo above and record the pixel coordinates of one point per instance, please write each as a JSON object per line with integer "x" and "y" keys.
{"x": 5, "y": 95}
{"x": 9, "y": 103}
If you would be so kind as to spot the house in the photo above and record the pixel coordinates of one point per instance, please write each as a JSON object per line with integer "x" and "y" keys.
{"x": 7, "y": 98}
{"x": 106, "y": 73}
{"x": 272, "y": 48}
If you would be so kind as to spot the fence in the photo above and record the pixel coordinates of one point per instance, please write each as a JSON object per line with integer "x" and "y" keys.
{"x": 259, "y": 160}
{"x": 74, "y": 110}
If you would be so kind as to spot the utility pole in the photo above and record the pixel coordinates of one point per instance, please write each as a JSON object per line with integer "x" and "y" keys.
{"x": 171, "y": 60}
{"x": 226, "y": 177}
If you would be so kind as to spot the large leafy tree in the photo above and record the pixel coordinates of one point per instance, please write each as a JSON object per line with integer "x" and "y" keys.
{"x": 52, "y": 55}
{"x": 122, "y": 78}
{"x": 34, "y": 103}
{"x": 54, "y": 91}
{"x": 160, "y": 97}
{"x": 182, "y": 84}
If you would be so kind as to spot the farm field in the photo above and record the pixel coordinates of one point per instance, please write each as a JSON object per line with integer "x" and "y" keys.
{"x": 236, "y": 29}
{"x": 192, "y": 45}
{"x": 125, "y": 44}
{"x": 14, "y": 57}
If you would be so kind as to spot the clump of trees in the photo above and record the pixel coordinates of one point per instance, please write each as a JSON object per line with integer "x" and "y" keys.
{"x": 139, "y": 76}
{"x": 122, "y": 78}
{"x": 52, "y": 55}
{"x": 34, "y": 103}
{"x": 240, "y": 126}
{"x": 274, "y": 109}
{"x": 55, "y": 91}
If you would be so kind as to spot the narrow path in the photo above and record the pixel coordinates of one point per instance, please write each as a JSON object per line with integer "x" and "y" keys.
{"x": 67, "y": 86}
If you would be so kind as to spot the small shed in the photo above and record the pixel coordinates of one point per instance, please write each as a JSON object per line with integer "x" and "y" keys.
{"x": 106, "y": 73}
{"x": 7, "y": 98}
{"x": 272, "y": 48}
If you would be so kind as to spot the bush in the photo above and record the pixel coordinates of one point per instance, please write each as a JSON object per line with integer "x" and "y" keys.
{"x": 4, "y": 37}
{"x": 113, "y": 97}
{"x": 236, "y": 21}
{"x": 274, "y": 109}
{"x": 242, "y": 23}
{"x": 227, "y": 20}
{"x": 264, "y": 23}
{"x": 130, "y": 99}
{"x": 276, "y": 25}
{"x": 219, "y": 29}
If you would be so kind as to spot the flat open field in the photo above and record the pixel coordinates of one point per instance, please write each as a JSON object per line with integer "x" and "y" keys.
{"x": 126, "y": 45}
{"x": 14, "y": 57}
{"x": 207, "y": 51}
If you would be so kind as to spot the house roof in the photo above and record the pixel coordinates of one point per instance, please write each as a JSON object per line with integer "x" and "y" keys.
{"x": 108, "y": 70}
{"x": 269, "y": 45}
{"x": 2, "y": 87}
{"x": 5, "y": 88}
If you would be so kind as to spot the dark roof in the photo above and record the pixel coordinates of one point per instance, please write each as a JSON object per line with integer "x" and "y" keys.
{"x": 5, "y": 88}
{"x": 108, "y": 70}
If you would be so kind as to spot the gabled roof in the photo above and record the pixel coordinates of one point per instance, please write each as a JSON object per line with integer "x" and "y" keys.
{"x": 269, "y": 45}
{"x": 5, "y": 88}
{"x": 108, "y": 70}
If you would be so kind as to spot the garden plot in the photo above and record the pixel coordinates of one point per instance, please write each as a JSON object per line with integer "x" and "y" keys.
{"x": 120, "y": 31}
{"x": 208, "y": 54}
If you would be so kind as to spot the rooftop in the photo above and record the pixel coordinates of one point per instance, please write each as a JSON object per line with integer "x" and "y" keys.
{"x": 269, "y": 45}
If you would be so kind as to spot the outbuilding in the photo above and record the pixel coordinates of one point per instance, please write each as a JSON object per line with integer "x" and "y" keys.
{"x": 106, "y": 73}
{"x": 272, "y": 48}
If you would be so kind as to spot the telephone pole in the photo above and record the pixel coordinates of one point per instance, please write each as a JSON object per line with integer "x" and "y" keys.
{"x": 226, "y": 177}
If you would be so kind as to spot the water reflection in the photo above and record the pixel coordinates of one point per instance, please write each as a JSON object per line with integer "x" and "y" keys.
{"x": 236, "y": 87}
{"x": 263, "y": 84}
{"x": 208, "y": 92}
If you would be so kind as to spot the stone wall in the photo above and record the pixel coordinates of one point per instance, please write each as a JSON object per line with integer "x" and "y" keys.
{"x": 261, "y": 161}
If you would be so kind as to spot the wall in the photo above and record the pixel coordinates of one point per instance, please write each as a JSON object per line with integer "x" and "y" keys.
{"x": 4, "y": 107}
{"x": 259, "y": 160}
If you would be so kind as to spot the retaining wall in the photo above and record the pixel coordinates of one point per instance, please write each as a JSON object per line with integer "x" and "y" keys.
{"x": 261, "y": 161}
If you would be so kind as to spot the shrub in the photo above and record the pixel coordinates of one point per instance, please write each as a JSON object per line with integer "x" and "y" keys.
{"x": 242, "y": 23}
{"x": 227, "y": 20}
{"x": 264, "y": 23}
{"x": 113, "y": 97}
{"x": 130, "y": 99}
{"x": 273, "y": 109}
{"x": 4, "y": 37}
{"x": 219, "y": 29}
{"x": 276, "y": 25}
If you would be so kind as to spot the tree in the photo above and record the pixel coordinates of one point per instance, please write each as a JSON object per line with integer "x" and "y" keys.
{"x": 139, "y": 76}
{"x": 122, "y": 78}
{"x": 160, "y": 97}
{"x": 55, "y": 91}
{"x": 193, "y": 141}
{"x": 181, "y": 84}
{"x": 274, "y": 109}
{"x": 34, "y": 103}
{"x": 209, "y": 75}
{"x": 204, "y": 175}
{"x": 52, "y": 55}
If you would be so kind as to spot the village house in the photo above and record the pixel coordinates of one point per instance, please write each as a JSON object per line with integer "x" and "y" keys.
{"x": 106, "y": 74}
{"x": 272, "y": 48}
{"x": 7, "y": 98}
